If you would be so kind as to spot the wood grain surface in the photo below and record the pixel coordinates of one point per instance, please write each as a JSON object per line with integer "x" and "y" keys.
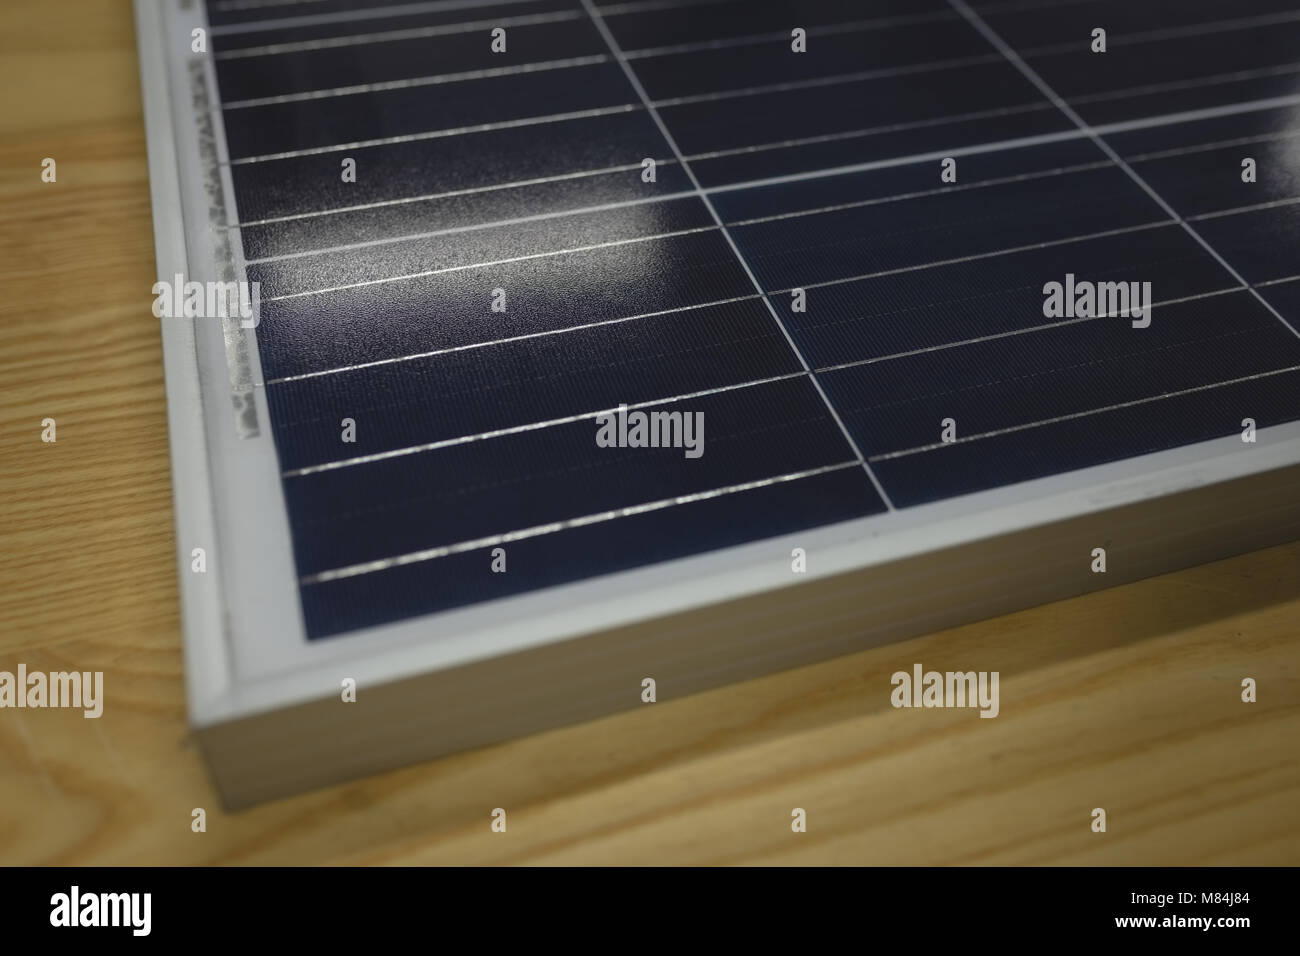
{"x": 1128, "y": 699}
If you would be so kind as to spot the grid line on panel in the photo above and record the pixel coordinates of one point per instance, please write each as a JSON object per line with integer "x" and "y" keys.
{"x": 831, "y": 80}
{"x": 1022, "y": 142}
{"x": 643, "y": 6}
{"x": 415, "y": 33}
{"x": 1028, "y": 330}
{"x": 973, "y": 257}
{"x": 495, "y": 481}
{"x": 1173, "y": 33}
{"x": 1016, "y": 6}
{"x": 1195, "y": 82}
{"x": 428, "y": 554}
{"x": 372, "y": 13}
{"x": 652, "y": 237}
{"x": 224, "y": 5}
{"x": 439, "y": 133}
{"x": 1022, "y": 376}
{"x": 1158, "y": 119}
{"x": 493, "y": 262}
{"x": 649, "y": 403}
{"x": 427, "y": 197}
{"x": 677, "y": 153}
{"x": 919, "y": 267}
{"x": 753, "y": 39}
{"x": 1244, "y": 23}
{"x": 745, "y": 298}
{"x": 934, "y": 446}
{"x": 521, "y": 534}
{"x": 977, "y": 22}
{"x": 1123, "y": 126}
{"x": 436, "y": 79}
{"x": 1190, "y": 149}
{"x": 1253, "y": 207}
{"x": 439, "y": 79}
{"x": 479, "y": 226}
{"x": 514, "y": 338}
{"x": 669, "y": 197}
{"x": 852, "y": 26}
{"x": 816, "y": 82}
{"x": 1214, "y": 26}
{"x": 530, "y": 426}
{"x": 396, "y": 10}
{"x": 921, "y": 193}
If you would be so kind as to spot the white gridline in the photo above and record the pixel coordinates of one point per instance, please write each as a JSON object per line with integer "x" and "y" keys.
{"x": 670, "y": 197}
{"x": 596, "y": 112}
{"x": 427, "y": 554}
{"x": 649, "y": 403}
{"x": 838, "y": 28}
{"x": 1047, "y": 49}
{"x": 731, "y": 242}
{"x": 1147, "y": 122}
{"x": 1032, "y": 75}
{"x": 651, "y": 237}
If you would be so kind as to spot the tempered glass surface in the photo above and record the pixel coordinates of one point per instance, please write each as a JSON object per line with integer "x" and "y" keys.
{"x": 797, "y": 272}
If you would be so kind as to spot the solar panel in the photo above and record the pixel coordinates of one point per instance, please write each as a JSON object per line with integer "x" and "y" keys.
{"x": 556, "y": 292}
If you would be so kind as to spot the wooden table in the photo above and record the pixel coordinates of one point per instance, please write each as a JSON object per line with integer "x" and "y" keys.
{"x": 1128, "y": 699}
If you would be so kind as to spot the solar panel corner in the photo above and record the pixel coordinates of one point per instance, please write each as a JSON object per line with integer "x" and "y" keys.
{"x": 416, "y": 716}
{"x": 989, "y": 528}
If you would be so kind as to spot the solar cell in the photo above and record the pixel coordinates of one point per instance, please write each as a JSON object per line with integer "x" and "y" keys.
{"x": 827, "y": 227}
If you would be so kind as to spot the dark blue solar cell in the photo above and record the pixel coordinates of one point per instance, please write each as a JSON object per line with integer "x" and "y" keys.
{"x": 244, "y": 23}
{"x": 985, "y": 387}
{"x": 707, "y": 127}
{"x": 422, "y": 110}
{"x": 1108, "y": 436}
{"x": 838, "y": 244}
{"x": 728, "y": 22}
{"x": 590, "y": 551}
{"x": 533, "y": 478}
{"x": 1285, "y": 298}
{"x": 736, "y": 70}
{"x": 1123, "y": 106}
{"x": 1255, "y": 123}
{"x": 1027, "y": 26}
{"x": 328, "y": 330}
{"x": 460, "y": 248}
{"x": 456, "y": 164}
{"x": 400, "y": 217}
{"x": 1210, "y": 180}
{"x": 857, "y": 145}
{"x": 1164, "y": 58}
{"x": 998, "y": 295}
{"x": 907, "y": 179}
{"x": 432, "y": 51}
{"x": 1260, "y": 243}
{"x": 454, "y": 394}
